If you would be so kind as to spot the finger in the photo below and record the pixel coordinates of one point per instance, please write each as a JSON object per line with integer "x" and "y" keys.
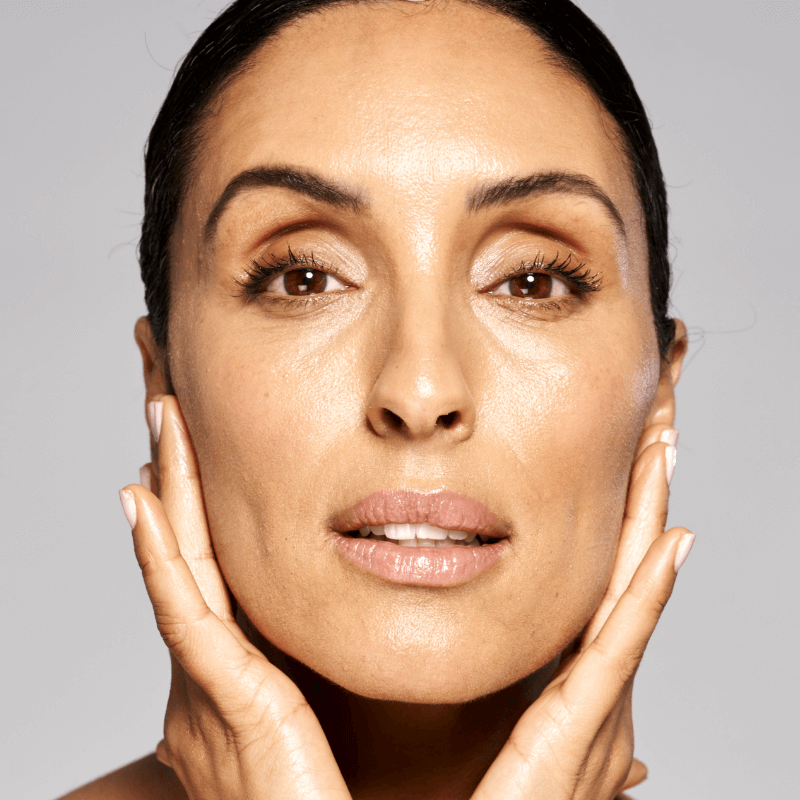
{"x": 644, "y": 521}
{"x": 206, "y": 648}
{"x": 662, "y": 432}
{"x": 148, "y": 478}
{"x": 161, "y": 753}
{"x": 182, "y": 497}
{"x": 601, "y": 672}
{"x": 636, "y": 775}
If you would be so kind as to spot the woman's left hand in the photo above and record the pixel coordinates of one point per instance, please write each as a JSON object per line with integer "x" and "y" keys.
{"x": 576, "y": 741}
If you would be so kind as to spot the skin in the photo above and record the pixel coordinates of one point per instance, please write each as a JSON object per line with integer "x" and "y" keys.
{"x": 416, "y": 372}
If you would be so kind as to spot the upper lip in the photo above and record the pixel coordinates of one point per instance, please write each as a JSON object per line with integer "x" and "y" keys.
{"x": 442, "y": 508}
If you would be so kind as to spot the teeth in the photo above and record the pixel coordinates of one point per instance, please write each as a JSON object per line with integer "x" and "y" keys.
{"x": 420, "y": 535}
{"x": 425, "y": 531}
{"x": 400, "y": 532}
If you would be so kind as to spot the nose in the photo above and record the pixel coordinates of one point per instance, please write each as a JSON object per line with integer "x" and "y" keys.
{"x": 421, "y": 391}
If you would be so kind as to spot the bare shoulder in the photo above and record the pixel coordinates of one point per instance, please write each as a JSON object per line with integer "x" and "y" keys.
{"x": 146, "y": 779}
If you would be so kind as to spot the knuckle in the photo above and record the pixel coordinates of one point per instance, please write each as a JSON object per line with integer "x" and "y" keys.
{"x": 176, "y": 631}
{"x": 628, "y": 662}
{"x": 172, "y": 631}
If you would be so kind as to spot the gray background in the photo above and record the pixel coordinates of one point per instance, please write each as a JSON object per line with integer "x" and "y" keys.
{"x": 84, "y": 673}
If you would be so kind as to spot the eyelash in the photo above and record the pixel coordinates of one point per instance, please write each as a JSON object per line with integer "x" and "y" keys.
{"x": 582, "y": 280}
{"x": 259, "y": 275}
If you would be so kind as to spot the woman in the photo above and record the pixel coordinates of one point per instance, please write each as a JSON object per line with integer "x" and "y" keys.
{"x": 410, "y": 390}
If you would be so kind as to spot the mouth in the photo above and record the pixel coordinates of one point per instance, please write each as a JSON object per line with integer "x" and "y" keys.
{"x": 413, "y": 538}
{"x": 394, "y": 513}
{"x": 421, "y": 535}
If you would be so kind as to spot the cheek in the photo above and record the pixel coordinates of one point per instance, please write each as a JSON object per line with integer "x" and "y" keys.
{"x": 257, "y": 407}
{"x": 278, "y": 428}
{"x": 568, "y": 420}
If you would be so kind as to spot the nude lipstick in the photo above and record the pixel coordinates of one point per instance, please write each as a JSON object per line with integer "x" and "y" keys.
{"x": 458, "y": 537}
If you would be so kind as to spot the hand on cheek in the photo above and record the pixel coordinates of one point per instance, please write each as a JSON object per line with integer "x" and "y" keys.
{"x": 230, "y": 711}
{"x": 576, "y": 740}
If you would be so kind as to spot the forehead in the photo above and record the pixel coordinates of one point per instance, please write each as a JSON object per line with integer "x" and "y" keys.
{"x": 412, "y": 103}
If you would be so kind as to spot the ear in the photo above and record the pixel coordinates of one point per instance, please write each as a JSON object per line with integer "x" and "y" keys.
{"x": 156, "y": 380}
{"x": 663, "y": 408}
{"x": 153, "y": 360}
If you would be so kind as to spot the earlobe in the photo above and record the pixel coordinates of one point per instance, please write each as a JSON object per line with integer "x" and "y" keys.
{"x": 153, "y": 366}
{"x": 663, "y": 408}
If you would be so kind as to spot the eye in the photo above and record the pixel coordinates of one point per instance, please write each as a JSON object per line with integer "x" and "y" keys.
{"x": 303, "y": 282}
{"x": 533, "y": 286}
{"x": 295, "y": 275}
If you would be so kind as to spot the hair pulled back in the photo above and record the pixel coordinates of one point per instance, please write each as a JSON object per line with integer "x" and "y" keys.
{"x": 223, "y": 50}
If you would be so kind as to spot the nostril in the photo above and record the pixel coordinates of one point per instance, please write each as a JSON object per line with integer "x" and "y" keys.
{"x": 450, "y": 420}
{"x": 392, "y": 420}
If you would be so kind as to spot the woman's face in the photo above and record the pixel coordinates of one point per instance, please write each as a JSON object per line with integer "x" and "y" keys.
{"x": 418, "y": 172}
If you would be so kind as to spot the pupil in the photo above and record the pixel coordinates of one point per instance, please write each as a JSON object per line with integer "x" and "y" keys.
{"x": 532, "y": 284}
{"x": 304, "y": 281}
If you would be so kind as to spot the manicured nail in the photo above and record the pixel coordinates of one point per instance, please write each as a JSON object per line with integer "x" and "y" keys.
{"x": 671, "y": 456}
{"x": 669, "y": 436}
{"x": 128, "y": 506}
{"x": 144, "y": 476}
{"x": 684, "y": 548}
{"x": 155, "y": 412}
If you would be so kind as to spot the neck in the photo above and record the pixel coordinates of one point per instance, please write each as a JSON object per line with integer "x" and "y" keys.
{"x": 388, "y": 750}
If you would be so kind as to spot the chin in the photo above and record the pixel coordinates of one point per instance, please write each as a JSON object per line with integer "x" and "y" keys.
{"x": 443, "y": 688}
{"x": 452, "y": 673}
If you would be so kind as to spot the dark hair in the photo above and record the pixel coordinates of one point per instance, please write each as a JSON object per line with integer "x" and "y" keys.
{"x": 223, "y": 50}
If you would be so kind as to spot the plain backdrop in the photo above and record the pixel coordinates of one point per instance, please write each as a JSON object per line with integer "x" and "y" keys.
{"x": 84, "y": 672}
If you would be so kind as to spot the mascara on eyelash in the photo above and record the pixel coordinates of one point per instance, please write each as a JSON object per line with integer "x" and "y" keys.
{"x": 582, "y": 279}
{"x": 580, "y": 276}
{"x": 260, "y": 274}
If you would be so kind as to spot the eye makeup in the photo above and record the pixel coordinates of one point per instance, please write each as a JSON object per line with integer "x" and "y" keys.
{"x": 305, "y": 280}
{"x": 581, "y": 279}
{"x": 535, "y": 283}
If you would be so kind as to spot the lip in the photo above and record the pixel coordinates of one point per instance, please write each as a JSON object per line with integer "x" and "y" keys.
{"x": 421, "y": 566}
{"x": 444, "y": 509}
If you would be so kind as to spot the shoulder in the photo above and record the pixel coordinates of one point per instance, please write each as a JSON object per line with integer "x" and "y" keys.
{"x": 146, "y": 779}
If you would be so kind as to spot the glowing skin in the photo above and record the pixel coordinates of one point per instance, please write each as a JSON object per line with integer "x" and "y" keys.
{"x": 285, "y": 407}
{"x": 419, "y": 368}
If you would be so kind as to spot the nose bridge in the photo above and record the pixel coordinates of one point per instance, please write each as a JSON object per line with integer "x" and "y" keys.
{"x": 421, "y": 387}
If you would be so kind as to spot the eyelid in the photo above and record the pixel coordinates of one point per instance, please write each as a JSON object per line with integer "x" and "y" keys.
{"x": 579, "y": 277}
{"x": 262, "y": 274}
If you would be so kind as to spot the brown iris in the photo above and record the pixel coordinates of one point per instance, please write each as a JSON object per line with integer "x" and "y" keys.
{"x": 537, "y": 285}
{"x": 304, "y": 281}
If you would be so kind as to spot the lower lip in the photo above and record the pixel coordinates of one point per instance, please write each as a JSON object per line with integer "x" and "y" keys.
{"x": 420, "y": 566}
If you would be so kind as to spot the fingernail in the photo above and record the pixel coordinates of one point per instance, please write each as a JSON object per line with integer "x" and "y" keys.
{"x": 684, "y": 548}
{"x": 128, "y": 506}
{"x": 155, "y": 412}
{"x": 671, "y": 456}
{"x": 144, "y": 476}
{"x": 669, "y": 436}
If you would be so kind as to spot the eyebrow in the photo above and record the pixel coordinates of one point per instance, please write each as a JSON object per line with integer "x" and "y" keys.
{"x": 301, "y": 181}
{"x": 542, "y": 183}
{"x": 308, "y": 183}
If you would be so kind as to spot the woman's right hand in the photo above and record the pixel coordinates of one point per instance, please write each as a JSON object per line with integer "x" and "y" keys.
{"x": 236, "y": 727}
